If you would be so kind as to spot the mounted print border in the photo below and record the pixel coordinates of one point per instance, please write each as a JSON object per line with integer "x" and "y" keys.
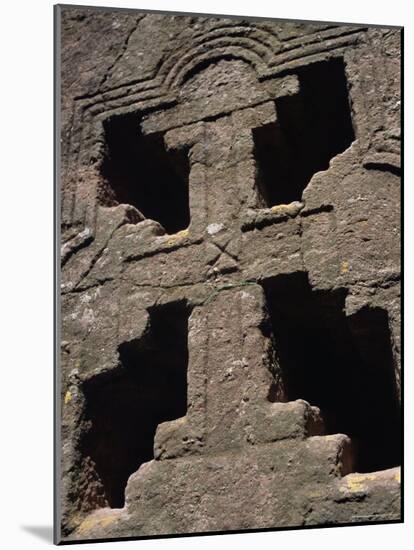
{"x": 229, "y": 320}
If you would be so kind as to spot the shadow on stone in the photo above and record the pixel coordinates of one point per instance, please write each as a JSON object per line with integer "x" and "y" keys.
{"x": 342, "y": 364}
{"x": 125, "y": 407}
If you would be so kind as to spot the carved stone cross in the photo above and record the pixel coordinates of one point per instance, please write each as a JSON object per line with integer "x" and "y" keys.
{"x": 228, "y": 372}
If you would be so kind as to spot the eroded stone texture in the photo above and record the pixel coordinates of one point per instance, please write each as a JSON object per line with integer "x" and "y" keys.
{"x": 230, "y": 274}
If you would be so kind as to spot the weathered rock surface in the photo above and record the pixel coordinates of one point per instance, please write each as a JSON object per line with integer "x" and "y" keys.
{"x": 230, "y": 274}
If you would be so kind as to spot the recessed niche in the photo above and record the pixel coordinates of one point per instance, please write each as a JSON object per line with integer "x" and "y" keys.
{"x": 124, "y": 408}
{"x": 138, "y": 170}
{"x": 344, "y": 365}
{"x": 312, "y": 127}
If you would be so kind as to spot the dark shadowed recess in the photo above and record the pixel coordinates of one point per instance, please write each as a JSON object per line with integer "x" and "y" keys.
{"x": 125, "y": 408}
{"x": 343, "y": 365}
{"x": 312, "y": 127}
{"x": 138, "y": 170}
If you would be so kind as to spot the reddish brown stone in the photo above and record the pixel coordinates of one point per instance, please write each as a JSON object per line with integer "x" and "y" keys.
{"x": 230, "y": 274}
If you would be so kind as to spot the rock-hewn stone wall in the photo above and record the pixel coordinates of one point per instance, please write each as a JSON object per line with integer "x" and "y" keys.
{"x": 230, "y": 291}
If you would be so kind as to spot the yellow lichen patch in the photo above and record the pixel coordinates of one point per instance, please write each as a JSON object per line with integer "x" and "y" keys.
{"x": 356, "y": 482}
{"x": 279, "y": 207}
{"x": 68, "y": 397}
{"x": 360, "y": 482}
{"x": 97, "y": 520}
{"x": 290, "y": 209}
{"x": 344, "y": 267}
{"x": 177, "y": 237}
